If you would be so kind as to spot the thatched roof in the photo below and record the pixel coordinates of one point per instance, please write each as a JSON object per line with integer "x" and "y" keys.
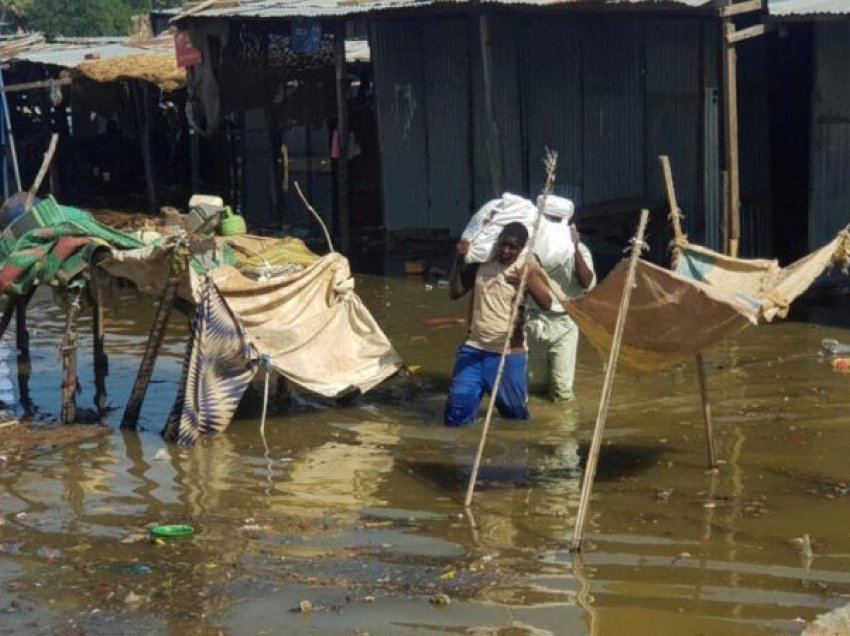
{"x": 158, "y": 69}
{"x": 103, "y": 59}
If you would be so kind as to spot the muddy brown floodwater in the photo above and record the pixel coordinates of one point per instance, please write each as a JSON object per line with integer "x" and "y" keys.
{"x": 352, "y": 521}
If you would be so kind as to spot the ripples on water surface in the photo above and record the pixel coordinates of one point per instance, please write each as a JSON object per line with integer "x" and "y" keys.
{"x": 359, "y": 509}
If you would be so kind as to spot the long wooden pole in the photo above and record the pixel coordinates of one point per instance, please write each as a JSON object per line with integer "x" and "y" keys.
{"x": 551, "y": 162}
{"x": 344, "y": 227}
{"x": 134, "y": 404}
{"x": 679, "y": 240}
{"x": 42, "y": 171}
{"x": 604, "y": 400}
{"x": 730, "y": 98}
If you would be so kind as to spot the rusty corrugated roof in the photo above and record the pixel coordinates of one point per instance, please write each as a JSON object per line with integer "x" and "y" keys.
{"x": 343, "y": 8}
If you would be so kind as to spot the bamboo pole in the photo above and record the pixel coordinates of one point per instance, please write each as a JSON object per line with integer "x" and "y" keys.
{"x": 343, "y": 218}
{"x": 593, "y": 458}
{"x": 69, "y": 363}
{"x": 551, "y": 162}
{"x": 730, "y": 100}
{"x": 134, "y": 404}
{"x": 42, "y": 171}
{"x": 678, "y": 241}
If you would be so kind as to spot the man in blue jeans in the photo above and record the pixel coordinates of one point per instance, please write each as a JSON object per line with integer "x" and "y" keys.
{"x": 494, "y": 288}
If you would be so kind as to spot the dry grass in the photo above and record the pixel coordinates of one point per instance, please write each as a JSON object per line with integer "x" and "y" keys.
{"x": 161, "y": 70}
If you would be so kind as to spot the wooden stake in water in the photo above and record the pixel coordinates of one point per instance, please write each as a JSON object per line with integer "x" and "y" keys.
{"x": 679, "y": 240}
{"x": 604, "y": 400}
{"x": 551, "y": 163}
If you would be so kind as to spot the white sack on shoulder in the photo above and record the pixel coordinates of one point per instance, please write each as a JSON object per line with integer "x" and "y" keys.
{"x": 484, "y": 227}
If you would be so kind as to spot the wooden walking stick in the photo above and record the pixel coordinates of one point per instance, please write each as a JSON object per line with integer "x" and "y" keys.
{"x": 551, "y": 163}
{"x": 592, "y": 459}
{"x": 679, "y": 240}
{"x": 134, "y": 404}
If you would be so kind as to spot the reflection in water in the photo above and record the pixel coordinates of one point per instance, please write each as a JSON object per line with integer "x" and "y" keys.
{"x": 380, "y": 488}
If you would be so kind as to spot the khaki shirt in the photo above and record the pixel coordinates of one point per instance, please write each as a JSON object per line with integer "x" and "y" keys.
{"x": 492, "y": 300}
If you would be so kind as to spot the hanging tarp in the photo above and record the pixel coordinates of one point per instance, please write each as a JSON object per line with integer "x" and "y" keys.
{"x": 312, "y": 325}
{"x": 675, "y": 315}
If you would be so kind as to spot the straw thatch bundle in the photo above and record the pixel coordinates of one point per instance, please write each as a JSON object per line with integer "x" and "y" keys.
{"x": 159, "y": 69}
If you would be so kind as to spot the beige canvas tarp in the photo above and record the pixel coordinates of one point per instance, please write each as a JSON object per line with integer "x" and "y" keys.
{"x": 675, "y": 315}
{"x": 312, "y": 325}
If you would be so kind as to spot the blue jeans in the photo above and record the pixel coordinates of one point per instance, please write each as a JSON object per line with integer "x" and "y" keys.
{"x": 474, "y": 374}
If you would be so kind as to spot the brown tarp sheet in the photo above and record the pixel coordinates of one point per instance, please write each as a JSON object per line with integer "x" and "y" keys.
{"x": 675, "y": 315}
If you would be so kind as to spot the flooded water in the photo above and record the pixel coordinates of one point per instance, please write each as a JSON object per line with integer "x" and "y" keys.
{"x": 350, "y": 520}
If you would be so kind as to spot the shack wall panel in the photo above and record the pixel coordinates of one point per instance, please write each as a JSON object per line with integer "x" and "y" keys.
{"x": 613, "y": 110}
{"x": 446, "y": 59}
{"x": 400, "y": 97}
{"x": 506, "y": 109}
{"x": 754, "y": 150}
{"x": 830, "y": 158}
{"x": 550, "y": 58}
{"x": 674, "y": 114}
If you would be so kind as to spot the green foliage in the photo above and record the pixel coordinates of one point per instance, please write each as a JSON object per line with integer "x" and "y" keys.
{"x": 79, "y": 18}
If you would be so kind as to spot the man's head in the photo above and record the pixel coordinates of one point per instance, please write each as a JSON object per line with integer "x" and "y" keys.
{"x": 557, "y": 208}
{"x": 512, "y": 241}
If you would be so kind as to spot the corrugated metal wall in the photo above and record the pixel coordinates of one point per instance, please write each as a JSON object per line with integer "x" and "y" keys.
{"x": 447, "y": 117}
{"x": 712, "y": 195}
{"x": 613, "y": 114}
{"x": 829, "y": 208}
{"x": 673, "y": 113}
{"x": 552, "y": 102}
{"x": 400, "y": 96}
{"x": 609, "y": 94}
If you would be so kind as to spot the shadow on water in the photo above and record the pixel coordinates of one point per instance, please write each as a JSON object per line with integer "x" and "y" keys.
{"x": 536, "y": 464}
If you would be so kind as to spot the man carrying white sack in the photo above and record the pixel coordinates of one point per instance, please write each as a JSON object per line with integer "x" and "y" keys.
{"x": 553, "y": 335}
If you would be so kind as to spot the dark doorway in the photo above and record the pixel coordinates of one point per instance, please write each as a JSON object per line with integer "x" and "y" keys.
{"x": 790, "y": 83}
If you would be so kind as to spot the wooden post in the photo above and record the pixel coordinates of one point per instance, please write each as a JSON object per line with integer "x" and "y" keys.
{"x": 8, "y": 312}
{"x": 725, "y": 231}
{"x": 675, "y": 217}
{"x": 22, "y": 339}
{"x": 101, "y": 361}
{"x": 675, "y": 213}
{"x": 551, "y": 162}
{"x": 344, "y": 227}
{"x": 42, "y": 171}
{"x": 143, "y": 122}
{"x": 494, "y": 146}
{"x": 69, "y": 364}
{"x": 596, "y": 444}
{"x": 730, "y": 94}
{"x": 12, "y": 150}
{"x": 134, "y": 404}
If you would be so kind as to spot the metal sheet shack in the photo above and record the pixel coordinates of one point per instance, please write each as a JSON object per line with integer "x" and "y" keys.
{"x": 468, "y": 94}
{"x": 815, "y": 36}
{"x": 117, "y": 106}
